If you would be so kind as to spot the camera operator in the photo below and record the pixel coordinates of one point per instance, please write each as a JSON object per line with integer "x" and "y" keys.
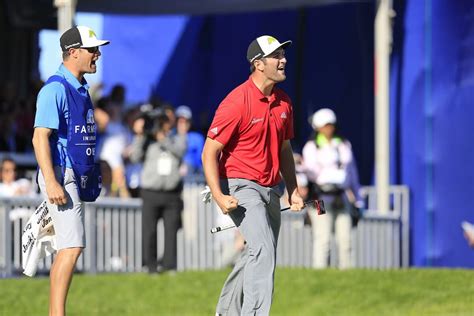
{"x": 161, "y": 185}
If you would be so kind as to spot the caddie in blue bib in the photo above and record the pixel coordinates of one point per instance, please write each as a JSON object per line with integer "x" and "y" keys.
{"x": 81, "y": 141}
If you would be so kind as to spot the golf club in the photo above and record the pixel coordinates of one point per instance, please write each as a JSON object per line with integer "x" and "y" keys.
{"x": 318, "y": 205}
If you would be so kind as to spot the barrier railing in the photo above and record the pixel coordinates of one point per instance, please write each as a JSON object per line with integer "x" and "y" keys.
{"x": 399, "y": 208}
{"x": 113, "y": 234}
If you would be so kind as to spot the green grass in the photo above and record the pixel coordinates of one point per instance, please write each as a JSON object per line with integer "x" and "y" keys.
{"x": 297, "y": 292}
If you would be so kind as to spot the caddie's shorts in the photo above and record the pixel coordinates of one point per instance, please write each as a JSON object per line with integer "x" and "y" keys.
{"x": 68, "y": 219}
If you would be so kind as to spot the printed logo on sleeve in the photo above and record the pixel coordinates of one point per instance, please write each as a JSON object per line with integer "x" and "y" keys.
{"x": 283, "y": 115}
{"x": 214, "y": 130}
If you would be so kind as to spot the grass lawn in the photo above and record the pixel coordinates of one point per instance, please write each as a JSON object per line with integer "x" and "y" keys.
{"x": 297, "y": 292}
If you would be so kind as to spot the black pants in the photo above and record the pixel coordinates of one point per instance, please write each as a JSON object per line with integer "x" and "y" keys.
{"x": 156, "y": 205}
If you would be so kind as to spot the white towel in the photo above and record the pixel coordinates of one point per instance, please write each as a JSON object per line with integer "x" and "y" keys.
{"x": 38, "y": 239}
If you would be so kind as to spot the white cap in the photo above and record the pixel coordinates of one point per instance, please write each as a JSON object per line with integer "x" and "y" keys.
{"x": 323, "y": 117}
{"x": 80, "y": 36}
{"x": 264, "y": 46}
{"x": 184, "y": 111}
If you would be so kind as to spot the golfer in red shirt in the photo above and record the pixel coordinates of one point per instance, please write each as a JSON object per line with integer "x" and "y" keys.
{"x": 246, "y": 150}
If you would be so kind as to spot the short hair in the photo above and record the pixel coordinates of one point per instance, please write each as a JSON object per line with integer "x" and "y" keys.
{"x": 66, "y": 55}
{"x": 252, "y": 67}
{"x": 252, "y": 64}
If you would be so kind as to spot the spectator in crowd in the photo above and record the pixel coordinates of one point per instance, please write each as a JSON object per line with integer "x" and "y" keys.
{"x": 132, "y": 170}
{"x": 169, "y": 111}
{"x": 102, "y": 119}
{"x": 68, "y": 176}
{"x": 11, "y": 186}
{"x": 192, "y": 164}
{"x": 161, "y": 187}
{"x": 117, "y": 99}
{"x": 114, "y": 141}
{"x": 330, "y": 166}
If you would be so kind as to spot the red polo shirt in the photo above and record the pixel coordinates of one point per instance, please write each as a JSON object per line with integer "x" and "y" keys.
{"x": 252, "y": 128}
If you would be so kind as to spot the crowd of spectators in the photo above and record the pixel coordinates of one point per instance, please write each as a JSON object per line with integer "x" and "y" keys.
{"x": 17, "y": 117}
{"x": 115, "y": 119}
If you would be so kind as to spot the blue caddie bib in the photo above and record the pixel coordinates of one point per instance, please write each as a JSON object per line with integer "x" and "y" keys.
{"x": 81, "y": 141}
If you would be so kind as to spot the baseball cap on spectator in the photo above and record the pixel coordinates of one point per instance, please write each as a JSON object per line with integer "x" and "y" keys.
{"x": 323, "y": 117}
{"x": 263, "y": 46}
{"x": 184, "y": 111}
{"x": 80, "y": 37}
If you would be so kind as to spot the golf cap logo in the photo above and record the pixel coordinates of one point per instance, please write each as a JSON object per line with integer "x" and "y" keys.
{"x": 92, "y": 34}
{"x": 268, "y": 44}
{"x": 270, "y": 40}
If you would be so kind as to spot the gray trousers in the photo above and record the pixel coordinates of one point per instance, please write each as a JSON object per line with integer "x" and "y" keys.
{"x": 248, "y": 289}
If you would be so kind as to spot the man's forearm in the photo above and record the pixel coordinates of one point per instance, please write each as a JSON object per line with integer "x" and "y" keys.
{"x": 212, "y": 150}
{"x": 211, "y": 172}
{"x": 210, "y": 163}
{"x": 287, "y": 168}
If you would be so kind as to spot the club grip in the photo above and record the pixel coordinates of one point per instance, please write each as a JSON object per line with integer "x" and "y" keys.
{"x": 215, "y": 230}
{"x": 318, "y": 205}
